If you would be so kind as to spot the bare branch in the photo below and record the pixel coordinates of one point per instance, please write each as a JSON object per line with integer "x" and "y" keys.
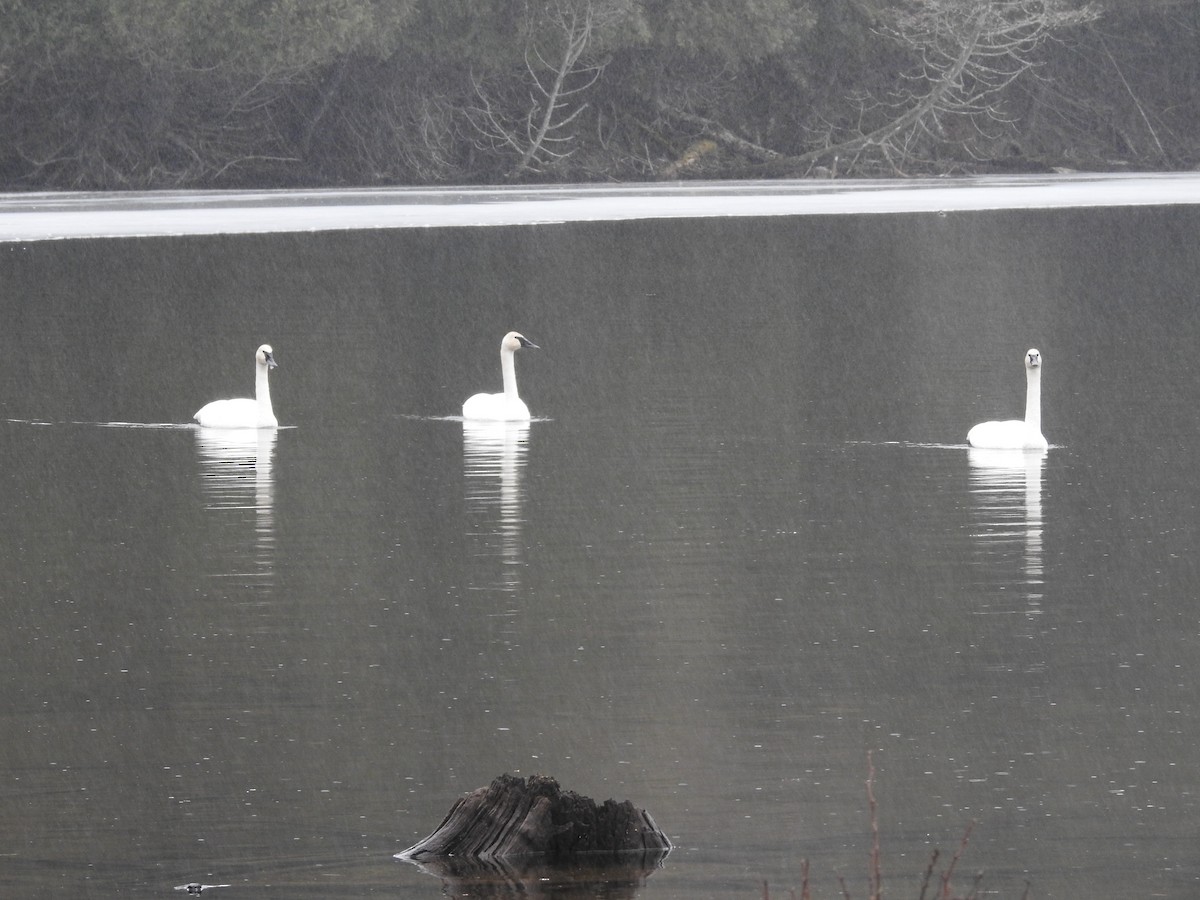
{"x": 558, "y": 71}
{"x": 968, "y": 53}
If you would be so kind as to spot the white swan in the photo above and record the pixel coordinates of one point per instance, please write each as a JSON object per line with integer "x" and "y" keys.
{"x": 1017, "y": 434}
{"x": 245, "y": 413}
{"x": 506, "y": 407}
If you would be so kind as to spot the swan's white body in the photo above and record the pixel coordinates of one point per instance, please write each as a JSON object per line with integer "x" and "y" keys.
{"x": 505, "y": 407}
{"x": 1017, "y": 434}
{"x": 245, "y": 413}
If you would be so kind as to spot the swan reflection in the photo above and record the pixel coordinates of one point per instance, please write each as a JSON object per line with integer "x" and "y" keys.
{"x": 494, "y": 458}
{"x": 235, "y": 465}
{"x": 1007, "y": 487}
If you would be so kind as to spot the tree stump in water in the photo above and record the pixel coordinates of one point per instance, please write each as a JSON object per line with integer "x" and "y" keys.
{"x": 535, "y": 817}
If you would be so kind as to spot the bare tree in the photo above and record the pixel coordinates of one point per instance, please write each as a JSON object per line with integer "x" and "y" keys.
{"x": 537, "y": 129}
{"x": 968, "y": 52}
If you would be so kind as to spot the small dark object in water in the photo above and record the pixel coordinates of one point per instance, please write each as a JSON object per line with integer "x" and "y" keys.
{"x": 195, "y": 887}
{"x": 535, "y": 817}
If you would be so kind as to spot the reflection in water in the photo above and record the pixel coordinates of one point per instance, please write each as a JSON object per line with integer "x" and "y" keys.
{"x": 494, "y": 458}
{"x": 605, "y": 877}
{"x": 235, "y": 464}
{"x": 1007, "y": 487}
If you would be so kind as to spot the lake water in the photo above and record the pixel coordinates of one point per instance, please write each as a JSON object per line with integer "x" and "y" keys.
{"x": 741, "y": 546}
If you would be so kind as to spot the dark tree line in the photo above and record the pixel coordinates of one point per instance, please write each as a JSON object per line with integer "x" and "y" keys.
{"x": 115, "y": 94}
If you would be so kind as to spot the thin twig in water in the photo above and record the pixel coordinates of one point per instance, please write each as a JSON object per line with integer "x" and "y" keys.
{"x": 876, "y": 878}
{"x": 949, "y": 873}
{"x": 933, "y": 858}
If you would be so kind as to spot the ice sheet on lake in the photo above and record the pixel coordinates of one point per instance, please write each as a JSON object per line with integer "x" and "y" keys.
{"x": 54, "y": 216}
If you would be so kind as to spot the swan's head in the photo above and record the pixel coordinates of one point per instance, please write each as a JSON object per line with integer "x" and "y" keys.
{"x": 266, "y": 357}
{"x": 514, "y": 341}
{"x": 1033, "y": 358}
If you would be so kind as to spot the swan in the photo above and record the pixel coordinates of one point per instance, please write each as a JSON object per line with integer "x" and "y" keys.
{"x": 506, "y": 407}
{"x": 245, "y": 413}
{"x": 1017, "y": 434}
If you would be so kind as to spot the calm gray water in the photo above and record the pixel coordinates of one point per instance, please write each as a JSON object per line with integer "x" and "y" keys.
{"x": 742, "y": 545}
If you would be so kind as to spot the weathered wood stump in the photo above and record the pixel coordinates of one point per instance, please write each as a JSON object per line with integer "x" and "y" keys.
{"x": 514, "y": 817}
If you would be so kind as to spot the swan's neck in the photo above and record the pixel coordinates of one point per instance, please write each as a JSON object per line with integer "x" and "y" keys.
{"x": 1033, "y": 400}
{"x": 262, "y": 389}
{"x": 509, "y": 367}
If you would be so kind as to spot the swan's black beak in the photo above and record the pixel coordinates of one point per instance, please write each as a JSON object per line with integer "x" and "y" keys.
{"x": 271, "y": 364}
{"x": 528, "y": 344}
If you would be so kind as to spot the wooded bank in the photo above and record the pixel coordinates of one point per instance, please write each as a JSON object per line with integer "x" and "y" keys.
{"x": 141, "y": 94}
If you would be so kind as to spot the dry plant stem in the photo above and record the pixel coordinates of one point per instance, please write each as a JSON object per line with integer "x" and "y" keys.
{"x": 876, "y": 876}
{"x": 949, "y": 873}
{"x": 876, "y": 867}
{"x": 933, "y": 858}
